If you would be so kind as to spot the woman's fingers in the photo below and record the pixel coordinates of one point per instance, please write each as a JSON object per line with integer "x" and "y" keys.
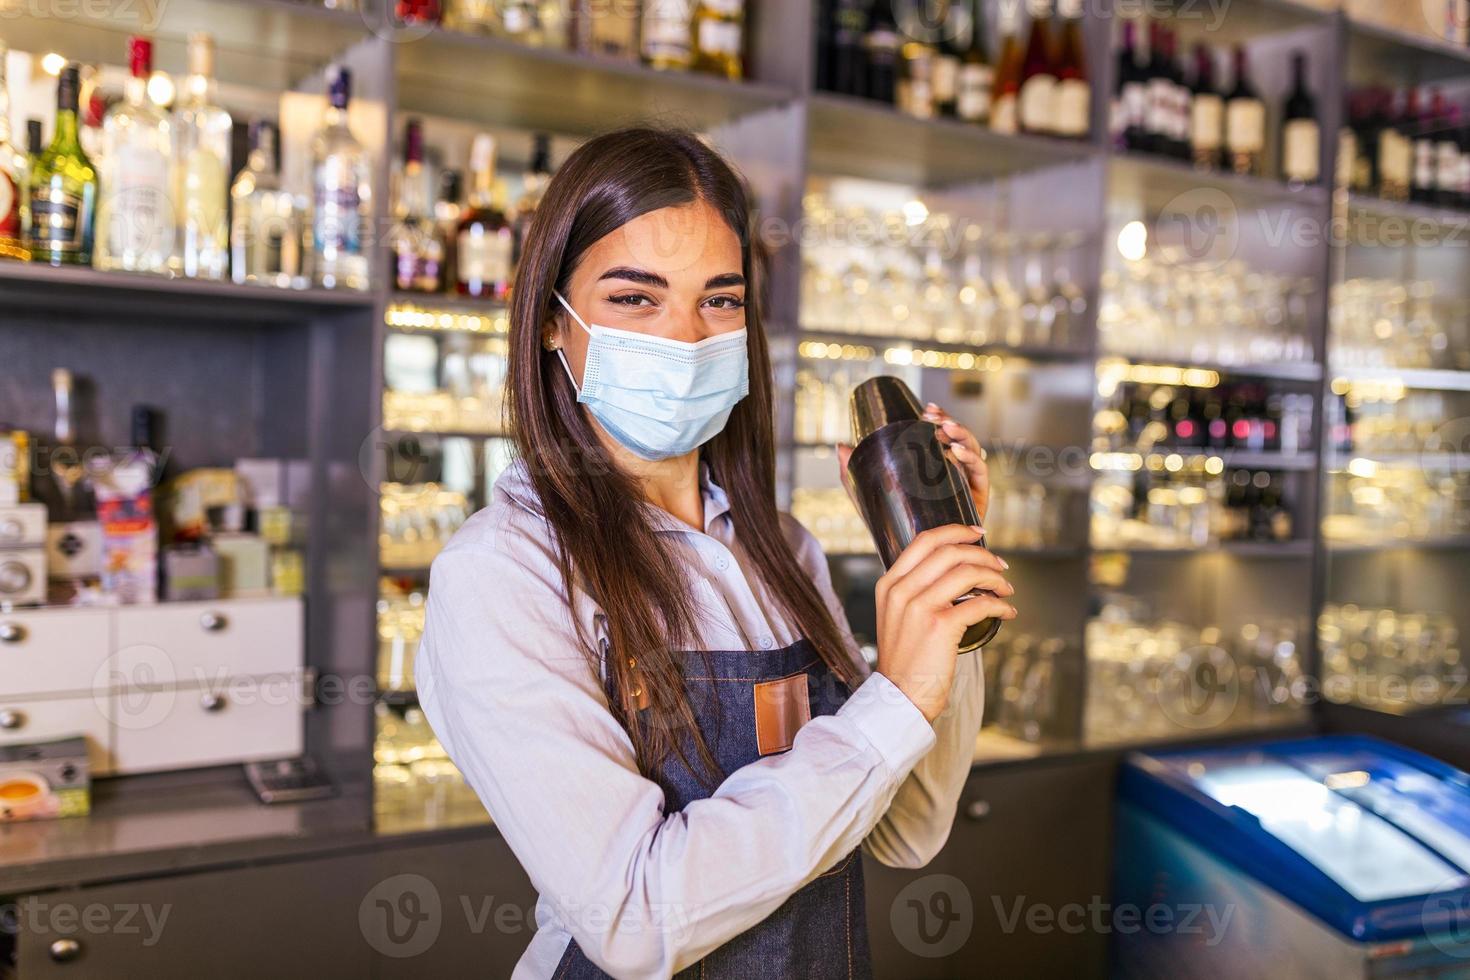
{"x": 928, "y": 541}
{"x": 981, "y": 607}
{"x": 942, "y": 560}
{"x": 958, "y": 581}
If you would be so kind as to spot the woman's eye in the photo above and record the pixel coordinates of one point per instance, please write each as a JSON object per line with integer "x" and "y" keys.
{"x": 632, "y": 299}
{"x": 726, "y": 302}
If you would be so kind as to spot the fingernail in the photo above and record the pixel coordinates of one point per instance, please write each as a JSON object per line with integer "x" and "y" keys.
{"x": 977, "y": 528}
{"x": 1003, "y": 563}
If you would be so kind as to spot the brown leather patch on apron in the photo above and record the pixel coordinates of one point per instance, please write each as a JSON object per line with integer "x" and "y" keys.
{"x": 781, "y": 708}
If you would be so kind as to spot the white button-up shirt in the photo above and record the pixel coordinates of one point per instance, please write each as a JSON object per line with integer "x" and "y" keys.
{"x": 510, "y": 694}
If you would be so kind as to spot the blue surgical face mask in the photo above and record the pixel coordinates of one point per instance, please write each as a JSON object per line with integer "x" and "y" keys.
{"x": 660, "y": 398}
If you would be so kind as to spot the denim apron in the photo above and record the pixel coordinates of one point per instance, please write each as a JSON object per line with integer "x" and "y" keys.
{"x": 821, "y": 931}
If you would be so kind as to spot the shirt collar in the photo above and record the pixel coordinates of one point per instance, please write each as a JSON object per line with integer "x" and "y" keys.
{"x": 516, "y": 482}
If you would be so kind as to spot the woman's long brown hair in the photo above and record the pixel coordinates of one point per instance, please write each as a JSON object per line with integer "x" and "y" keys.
{"x": 595, "y": 509}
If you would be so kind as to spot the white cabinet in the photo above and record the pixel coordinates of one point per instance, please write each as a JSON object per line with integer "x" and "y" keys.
{"x": 182, "y": 727}
{"x": 53, "y": 651}
{"x": 167, "y": 686}
{"x": 208, "y": 642}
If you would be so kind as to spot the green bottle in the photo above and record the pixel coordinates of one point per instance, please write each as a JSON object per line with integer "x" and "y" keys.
{"x": 63, "y": 187}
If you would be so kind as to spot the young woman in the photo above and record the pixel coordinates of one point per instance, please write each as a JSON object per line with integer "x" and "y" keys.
{"x": 637, "y": 661}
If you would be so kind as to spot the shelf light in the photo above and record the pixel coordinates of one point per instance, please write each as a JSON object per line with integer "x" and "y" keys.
{"x": 1112, "y": 372}
{"x": 405, "y": 316}
{"x": 1133, "y": 241}
{"x": 819, "y": 350}
{"x": 52, "y": 63}
{"x": 945, "y": 359}
{"x": 1122, "y": 462}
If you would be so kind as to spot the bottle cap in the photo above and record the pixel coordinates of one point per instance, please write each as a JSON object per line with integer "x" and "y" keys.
{"x": 140, "y": 56}
{"x": 33, "y": 136}
{"x": 68, "y": 88}
{"x": 339, "y": 86}
{"x": 451, "y": 185}
{"x": 482, "y": 153}
{"x": 413, "y": 141}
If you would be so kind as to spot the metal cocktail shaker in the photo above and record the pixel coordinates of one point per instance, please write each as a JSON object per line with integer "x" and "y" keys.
{"x": 904, "y": 482}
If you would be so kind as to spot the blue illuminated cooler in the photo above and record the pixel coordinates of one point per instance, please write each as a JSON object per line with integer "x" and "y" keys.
{"x": 1333, "y": 857}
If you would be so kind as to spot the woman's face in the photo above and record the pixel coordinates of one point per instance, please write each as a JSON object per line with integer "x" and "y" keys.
{"x": 675, "y": 273}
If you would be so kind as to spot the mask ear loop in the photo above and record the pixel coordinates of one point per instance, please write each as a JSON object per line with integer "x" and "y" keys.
{"x": 568, "y": 306}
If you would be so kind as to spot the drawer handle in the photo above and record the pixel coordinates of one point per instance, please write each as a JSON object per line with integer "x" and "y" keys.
{"x": 65, "y": 950}
{"x": 12, "y": 632}
{"x": 12, "y": 719}
{"x": 212, "y": 702}
{"x": 977, "y": 809}
{"x": 214, "y": 621}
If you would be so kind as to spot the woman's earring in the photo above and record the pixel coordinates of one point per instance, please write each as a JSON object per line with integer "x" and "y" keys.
{"x": 550, "y": 343}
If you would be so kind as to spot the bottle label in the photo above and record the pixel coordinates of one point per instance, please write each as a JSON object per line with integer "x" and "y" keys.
{"x": 56, "y": 220}
{"x": 1446, "y": 165}
{"x": 1245, "y": 125}
{"x": 1206, "y": 118}
{"x": 1424, "y": 163}
{"x": 1003, "y": 114}
{"x": 972, "y": 101}
{"x": 719, "y": 37}
{"x": 336, "y": 222}
{"x": 946, "y": 79}
{"x": 1301, "y": 148}
{"x": 204, "y": 197}
{"x": 484, "y": 257}
{"x": 140, "y": 215}
{"x": 1073, "y": 105}
{"x": 9, "y": 208}
{"x": 1134, "y": 103}
{"x": 1347, "y": 157}
{"x": 666, "y": 30}
{"x": 1038, "y": 107}
{"x": 1158, "y": 116}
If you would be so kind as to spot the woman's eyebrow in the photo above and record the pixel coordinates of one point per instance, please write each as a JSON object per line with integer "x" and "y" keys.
{"x": 636, "y": 275}
{"x": 725, "y": 281}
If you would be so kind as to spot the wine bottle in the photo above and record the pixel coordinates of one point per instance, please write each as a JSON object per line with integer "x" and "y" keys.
{"x": 447, "y": 214}
{"x": 1447, "y": 157}
{"x": 849, "y": 48}
{"x": 535, "y": 183}
{"x": 202, "y": 168}
{"x": 1180, "y": 102}
{"x": 1130, "y": 99}
{"x": 1421, "y": 187}
{"x": 63, "y": 186}
{"x": 915, "y": 90}
{"x": 1037, "y": 101}
{"x": 1159, "y": 115}
{"x": 1301, "y": 135}
{"x": 1003, "y": 109}
{"x": 1206, "y": 112}
{"x": 881, "y": 46}
{"x": 976, "y": 77}
{"x": 135, "y": 212}
{"x": 824, "y": 31}
{"x": 1073, "y": 96}
{"x": 1245, "y": 121}
{"x": 945, "y": 77}
{"x": 14, "y": 182}
{"x": 416, "y": 258}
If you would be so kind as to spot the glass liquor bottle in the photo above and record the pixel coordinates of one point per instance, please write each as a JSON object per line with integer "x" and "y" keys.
{"x": 1206, "y": 112}
{"x": 850, "y": 20}
{"x": 1245, "y": 122}
{"x": 1003, "y": 113}
{"x": 1072, "y": 116}
{"x": 135, "y": 212}
{"x": 341, "y": 194}
{"x": 535, "y": 187}
{"x": 15, "y": 169}
{"x": 600, "y": 27}
{"x": 882, "y": 46}
{"x": 485, "y": 244}
{"x": 202, "y": 168}
{"x": 1036, "y": 98}
{"x": 416, "y": 254}
{"x": 668, "y": 34}
{"x": 63, "y": 187}
{"x": 267, "y": 233}
{"x": 719, "y": 38}
{"x": 976, "y": 76}
{"x": 447, "y": 212}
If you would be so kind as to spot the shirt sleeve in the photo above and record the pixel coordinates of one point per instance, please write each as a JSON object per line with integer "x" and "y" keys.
{"x": 520, "y": 710}
{"x": 919, "y": 820}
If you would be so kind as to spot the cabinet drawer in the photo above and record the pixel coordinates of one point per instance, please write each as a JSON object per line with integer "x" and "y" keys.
{"x": 204, "y": 642}
{"x": 187, "y": 726}
{"x": 43, "y": 721}
{"x": 51, "y": 650}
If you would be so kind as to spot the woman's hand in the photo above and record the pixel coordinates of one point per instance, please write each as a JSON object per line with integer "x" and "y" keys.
{"x": 919, "y": 623}
{"x": 963, "y": 447}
